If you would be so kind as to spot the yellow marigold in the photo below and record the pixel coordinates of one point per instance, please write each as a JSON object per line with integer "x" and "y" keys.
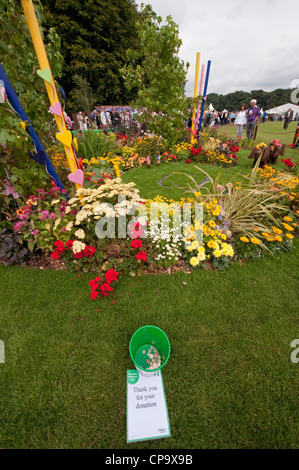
{"x": 255, "y": 241}
{"x": 201, "y": 256}
{"x": 289, "y": 235}
{"x": 277, "y": 230}
{"x": 288, "y": 219}
{"x": 217, "y": 253}
{"x": 194, "y": 261}
{"x": 278, "y": 238}
{"x": 244, "y": 239}
{"x": 256, "y": 229}
{"x": 288, "y": 227}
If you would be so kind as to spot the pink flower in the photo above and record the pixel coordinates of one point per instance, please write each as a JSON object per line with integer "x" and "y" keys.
{"x": 44, "y": 215}
{"x": 18, "y": 226}
{"x": 34, "y": 232}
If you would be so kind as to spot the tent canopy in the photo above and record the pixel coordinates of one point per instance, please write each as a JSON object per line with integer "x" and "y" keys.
{"x": 283, "y": 109}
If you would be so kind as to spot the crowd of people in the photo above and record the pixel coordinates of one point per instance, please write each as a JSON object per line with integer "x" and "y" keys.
{"x": 243, "y": 118}
{"x": 122, "y": 118}
{"x": 108, "y": 118}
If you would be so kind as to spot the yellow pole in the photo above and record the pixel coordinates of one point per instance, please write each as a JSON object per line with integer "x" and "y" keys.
{"x": 195, "y": 94}
{"x": 64, "y": 135}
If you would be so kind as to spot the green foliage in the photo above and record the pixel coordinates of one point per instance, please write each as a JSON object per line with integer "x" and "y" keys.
{"x": 95, "y": 144}
{"x": 12, "y": 251}
{"x": 82, "y": 97}
{"x": 95, "y": 35}
{"x": 20, "y": 64}
{"x": 159, "y": 75}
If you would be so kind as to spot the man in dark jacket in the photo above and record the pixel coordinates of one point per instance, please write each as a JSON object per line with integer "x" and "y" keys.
{"x": 288, "y": 118}
{"x": 253, "y": 115}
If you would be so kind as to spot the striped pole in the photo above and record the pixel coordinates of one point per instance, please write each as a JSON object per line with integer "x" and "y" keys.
{"x": 204, "y": 98}
{"x": 64, "y": 135}
{"x": 195, "y": 94}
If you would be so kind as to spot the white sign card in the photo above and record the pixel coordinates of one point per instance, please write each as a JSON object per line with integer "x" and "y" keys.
{"x": 147, "y": 415}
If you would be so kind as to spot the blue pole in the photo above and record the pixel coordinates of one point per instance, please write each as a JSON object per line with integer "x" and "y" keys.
{"x": 40, "y": 155}
{"x": 204, "y": 98}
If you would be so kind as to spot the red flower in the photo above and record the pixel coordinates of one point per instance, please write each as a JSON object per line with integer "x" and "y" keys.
{"x": 55, "y": 255}
{"x": 136, "y": 244}
{"x": 105, "y": 288}
{"x": 141, "y": 255}
{"x": 93, "y": 284}
{"x": 59, "y": 246}
{"x": 94, "y": 294}
{"x": 187, "y": 161}
{"x": 98, "y": 279}
{"x": 69, "y": 244}
{"x": 111, "y": 276}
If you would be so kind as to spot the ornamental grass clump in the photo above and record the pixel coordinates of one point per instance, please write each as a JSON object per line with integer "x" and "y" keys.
{"x": 247, "y": 210}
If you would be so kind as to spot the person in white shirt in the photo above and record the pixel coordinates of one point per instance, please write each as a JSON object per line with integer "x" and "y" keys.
{"x": 105, "y": 118}
{"x": 240, "y": 121}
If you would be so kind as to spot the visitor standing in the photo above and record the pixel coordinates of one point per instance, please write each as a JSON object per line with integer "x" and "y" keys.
{"x": 241, "y": 121}
{"x": 288, "y": 118}
{"x": 105, "y": 117}
{"x": 115, "y": 118}
{"x": 80, "y": 119}
{"x": 252, "y": 114}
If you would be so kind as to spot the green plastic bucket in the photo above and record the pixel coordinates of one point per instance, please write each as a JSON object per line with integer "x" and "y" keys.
{"x": 149, "y": 349}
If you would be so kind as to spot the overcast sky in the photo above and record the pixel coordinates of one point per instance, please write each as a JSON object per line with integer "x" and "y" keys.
{"x": 251, "y": 44}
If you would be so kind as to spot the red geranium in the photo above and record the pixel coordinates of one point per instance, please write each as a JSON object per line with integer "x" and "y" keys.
{"x": 94, "y": 294}
{"x": 141, "y": 255}
{"x": 187, "y": 161}
{"x": 136, "y": 244}
{"x": 55, "y": 255}
{"x": 111, "y": 275}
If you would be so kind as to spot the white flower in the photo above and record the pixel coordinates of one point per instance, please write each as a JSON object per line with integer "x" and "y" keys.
{"x": 80, "y": 233}
{"x": 78, "y": 246}
{"x": 69, "y": 226}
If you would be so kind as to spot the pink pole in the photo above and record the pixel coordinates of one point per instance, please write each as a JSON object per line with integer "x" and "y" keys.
{"x": 201, "y": 79}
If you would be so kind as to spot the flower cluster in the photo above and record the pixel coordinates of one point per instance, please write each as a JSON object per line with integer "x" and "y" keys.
{"x": 79, "y": 249}
{"x": 288, "y": 162}
{"x": 104, "y": 288}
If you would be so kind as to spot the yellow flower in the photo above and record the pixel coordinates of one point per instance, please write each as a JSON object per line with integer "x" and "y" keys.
{"x": 288, "y": 219}
{"x": 194, "y": 261}
{"x": 193, "y": 245}
{"x": 212, "y": 223}
{"x": 288, "y": 227}
{"x": 276, "y": 230}
{"x": 244, "y": 239}
{"x": 289, "y": 235}
{"x": 256, "y": 229}
{"x": 223, "y": 236}
{"x": 278, "y": 238}
{"x": 201, "y": 256}
{"x": 217, "y": 253}
{"x": 255, "y": 240}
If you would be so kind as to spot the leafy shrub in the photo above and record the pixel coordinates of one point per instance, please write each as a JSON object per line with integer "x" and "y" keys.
{"x": 11, "y": 250}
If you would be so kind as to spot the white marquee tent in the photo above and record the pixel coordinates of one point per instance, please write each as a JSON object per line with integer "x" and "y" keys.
{"x": 283, "y": 109}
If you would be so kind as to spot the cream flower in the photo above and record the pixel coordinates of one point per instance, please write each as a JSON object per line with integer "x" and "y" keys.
{"x": 78, "y": 246}
{"x": 80, "y": 233}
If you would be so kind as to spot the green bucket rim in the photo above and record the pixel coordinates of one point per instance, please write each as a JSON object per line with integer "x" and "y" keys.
{"x": 168, "y": 342}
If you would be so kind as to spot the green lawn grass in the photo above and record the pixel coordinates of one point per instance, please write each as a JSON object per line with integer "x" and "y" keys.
{"x": 176, "y": 185}
{"x": 229, "y": 382}
{"x": 267, "y": 132}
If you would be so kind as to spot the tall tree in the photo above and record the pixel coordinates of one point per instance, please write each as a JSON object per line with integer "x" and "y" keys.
{"x": 159, "y": 74}
{"x": 95, "y": 35}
